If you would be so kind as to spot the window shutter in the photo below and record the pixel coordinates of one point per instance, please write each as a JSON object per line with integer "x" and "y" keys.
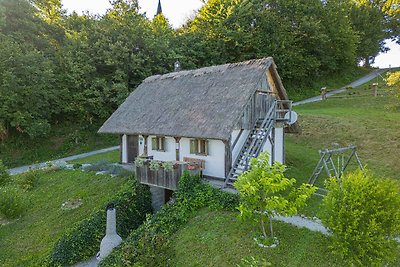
{"x": 193, "y": 146}
{"x": 162, "y": 144}
{"x": 206, "y": 147}
{"x": 154, "y": 145}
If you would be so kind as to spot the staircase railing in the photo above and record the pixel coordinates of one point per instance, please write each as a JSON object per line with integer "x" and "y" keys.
{"x": 258, "y": 136}
{"x": 264, "y": 129}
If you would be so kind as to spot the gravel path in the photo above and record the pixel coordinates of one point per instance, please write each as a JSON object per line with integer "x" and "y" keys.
{"x": 302, "y": 222}
{"x": 43, "y": 164}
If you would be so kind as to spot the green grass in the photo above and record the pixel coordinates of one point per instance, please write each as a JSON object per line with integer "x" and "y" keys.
{"x": 110, "y": 156}
{"x": 363, "y": 121}
{"x": 353, "y": 118}
{"x": 218, "y": 238}
{"x": 64, "y": 140}
{"x": 24, "y": 241}
{"x": 331, "y": 82}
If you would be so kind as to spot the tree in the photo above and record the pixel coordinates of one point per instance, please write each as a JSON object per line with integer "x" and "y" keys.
{"x": 363, "y": 213}
{"x": 393, "y": 79}
{"x": 265, "y": 191}
{"x": 375, "y": 21}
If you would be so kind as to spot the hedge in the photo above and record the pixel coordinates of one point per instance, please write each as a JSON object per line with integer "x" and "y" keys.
{"x": 149, "y": 244}
{"x": 83, "y": 241}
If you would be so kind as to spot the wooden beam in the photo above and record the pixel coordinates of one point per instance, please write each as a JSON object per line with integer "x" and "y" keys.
{"x": 145, "y": 150}
{"x": 177, "y": 148}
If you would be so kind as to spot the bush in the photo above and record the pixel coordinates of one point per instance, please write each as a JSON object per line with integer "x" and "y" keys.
{"x": 12, "y": 202}
{"x": 4, "y": 175}
{"x": 98, "y": 166}
{"x": 28, "y": 180}
{"x": 83, "y": 241}
{"x": 149, "y": 244}
{"x": 363, "y": 214}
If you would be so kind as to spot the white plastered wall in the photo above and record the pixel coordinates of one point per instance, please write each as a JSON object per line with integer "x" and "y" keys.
{"x": 239, "y": 144}
{"x": 214, "y": 161}
{"x": 124, "y": 148}
{"x": 168, "y": 155}
{"x": 279, "y": 145}
{"x": 277, "y": 153}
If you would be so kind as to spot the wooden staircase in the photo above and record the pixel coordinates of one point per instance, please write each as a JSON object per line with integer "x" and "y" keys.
{"x": 253, "y": 145}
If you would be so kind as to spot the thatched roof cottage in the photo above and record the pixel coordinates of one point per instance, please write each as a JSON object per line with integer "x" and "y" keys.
{"x": 217, "y": 116}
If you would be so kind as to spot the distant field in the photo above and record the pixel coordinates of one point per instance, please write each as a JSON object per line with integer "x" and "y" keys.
{"x": 24, "y": 241}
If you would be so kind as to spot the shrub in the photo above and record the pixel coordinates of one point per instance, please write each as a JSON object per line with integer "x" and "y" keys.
{"x": 4, "y": 175}
{"x": 363, "y": 214}
{"x": 154, "y": 165}
{"x": 98, "y": 166}
{"x": 265, "y": 191}
{"x": 77, "y": 166}
{"x": 149, "y": 244}
{"x": 12, "y": 202}
{"x": 83, "y": 241}
{"x": 28, "y": 180}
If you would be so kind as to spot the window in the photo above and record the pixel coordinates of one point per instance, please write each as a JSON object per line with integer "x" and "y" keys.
{"x": 199, "y": 147}
{"x": 158, "y": 143}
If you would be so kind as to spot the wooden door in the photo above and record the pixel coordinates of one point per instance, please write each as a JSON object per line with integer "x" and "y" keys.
{"x": 133, "y": 147}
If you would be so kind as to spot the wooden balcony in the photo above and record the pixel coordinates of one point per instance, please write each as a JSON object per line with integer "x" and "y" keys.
{"x": 163, "y": 178}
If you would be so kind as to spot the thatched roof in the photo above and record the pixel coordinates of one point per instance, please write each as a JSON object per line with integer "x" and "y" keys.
{"x": 201, "y": 103}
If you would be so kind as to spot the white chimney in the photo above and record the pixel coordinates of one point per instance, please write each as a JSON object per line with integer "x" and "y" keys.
{"x": 111, "y": 239}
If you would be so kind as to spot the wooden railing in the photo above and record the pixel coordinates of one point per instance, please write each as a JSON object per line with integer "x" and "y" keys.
{"x": 163, "y": 178}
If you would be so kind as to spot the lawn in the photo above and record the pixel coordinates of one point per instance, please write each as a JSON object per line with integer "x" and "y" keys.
{"x": 25, "y": 241}
{"x": 351, "y": 118}
{"x": 110, "y": 156}
{"x": 64, "y": 140}
{"x": 219, "y": 238}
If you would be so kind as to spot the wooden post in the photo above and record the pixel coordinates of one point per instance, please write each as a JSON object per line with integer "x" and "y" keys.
{"x": 228, "y": 157}
{"x": 177, "y": 148}
{"x": 375, "y": 89}
{"x": 145, "y": 150}
{"x": 323, "y": 93}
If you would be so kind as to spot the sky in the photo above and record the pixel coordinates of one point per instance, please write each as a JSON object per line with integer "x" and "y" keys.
{"x": 178, "y": 11}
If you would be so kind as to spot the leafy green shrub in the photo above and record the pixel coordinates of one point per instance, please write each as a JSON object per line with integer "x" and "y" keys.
{"x": 98, "y": 166}
{"x": 363, "y": 214}
{"x": 264, "y": 191}
{"x": 154, "y": 165}
{"x": 28, "y": 180}
{"x": 12, "y": 202}
{"x": 118, "y": 171}
{"x": 4, "y": 175}
{"x": 83, "y": 241}
{"x": 149, "y": 245}
{"x": 77, "y": 166}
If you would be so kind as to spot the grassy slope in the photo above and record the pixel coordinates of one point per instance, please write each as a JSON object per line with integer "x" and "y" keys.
{"x": 110, "y": 156}
{"x": 29, "y": 238}
{"x": 21, "y": 150}
{"x": 218, "y": 238}
{"x": 331, "y": 82}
